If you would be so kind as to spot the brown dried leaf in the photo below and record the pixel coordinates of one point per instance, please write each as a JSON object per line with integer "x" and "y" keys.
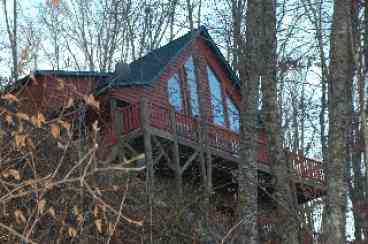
{"x": 90, "y": 100}
{"x": 98, "y": 223}
{"x": 55, "y": 131}
{"x": 80, "y": 219}
{"x": 41, "y": 206}
{"x": 60, "y": 84}
{"x": 20, "y": 140}
{"x": 69, "y": 103}
{"x": 111, "y": 229}
{"x": 95, "y": 211}
{"x": 72, "y": 232}
{"x": 20, "y": 127}
{"x": 22, "y": 116}
{"x": 38, "y": 120}
{"x": 14, "y": 173}
{"x": 19, "y": 216}
{"x": 76, "y": 211}
{"x": 51, "y": 211}
{"x": 5, "y": 174}
{"x": 65, "y": 124}
{"x": 9, "y": 119}
{"x": 30, "y": 143}
{"x": 95, "y": 126}
{"x": 10, "y": 97}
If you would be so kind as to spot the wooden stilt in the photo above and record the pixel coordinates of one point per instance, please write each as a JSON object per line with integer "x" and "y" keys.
{"x": 145, "y": 115}
{"x": 176, "y": 155}
{"x": 145, "y": 121}
{"x": 202, "y": 159}
{"x": 169, "y": 161}
{"x": 208, "y": 158}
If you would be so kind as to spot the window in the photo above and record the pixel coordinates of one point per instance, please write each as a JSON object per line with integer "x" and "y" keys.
{"x": 233, "y": 114}
{"x": 216, "y": 98}
{"x": 192, "y": 86}
{"x": 174, "y": 92}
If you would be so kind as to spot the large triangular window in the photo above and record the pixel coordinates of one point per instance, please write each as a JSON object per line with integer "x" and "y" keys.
{"x": 233, "y": 115}
{"x": 192, "y": 87}
{"x": 217, "y": 104}
{"x": 174, "y": 92}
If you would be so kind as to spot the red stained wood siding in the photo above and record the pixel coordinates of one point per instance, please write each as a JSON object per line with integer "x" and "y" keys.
{"x": 49, "y": 93}
{"x": 157, "y": 93}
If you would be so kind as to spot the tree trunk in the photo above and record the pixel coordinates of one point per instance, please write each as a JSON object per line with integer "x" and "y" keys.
{"x": 340, "y": 85}
{"x": 249, "y": 75}
{"x": 12, "y": 36}
{"x": 284, "y": 196}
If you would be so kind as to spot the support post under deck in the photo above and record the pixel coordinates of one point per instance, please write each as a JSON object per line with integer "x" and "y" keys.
{"x": 176, "y": 154}
{"x": 208, "y": 159}
{"x": 202, "y": 159}
{"x": 145, "y": 121}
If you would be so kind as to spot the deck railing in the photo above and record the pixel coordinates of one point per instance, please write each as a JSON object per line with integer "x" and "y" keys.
{"x": 159, "y": 117}
{"x": 306, "y": 167}
{"x": 219, "y": 138}
{"x": 130, "y": 117}
{"x": 187, "y": 126}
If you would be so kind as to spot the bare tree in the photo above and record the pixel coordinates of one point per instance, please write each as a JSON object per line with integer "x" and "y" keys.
{"x": 12, "y": 34}
{"x": 250, "y": 74}
{"x": 284, "y": 192}
{"x": 339, "y": 96}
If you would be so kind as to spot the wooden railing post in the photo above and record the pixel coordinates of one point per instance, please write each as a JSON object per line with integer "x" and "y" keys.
{"x": 176, "y": 153}
{"x": 202, "y": 160}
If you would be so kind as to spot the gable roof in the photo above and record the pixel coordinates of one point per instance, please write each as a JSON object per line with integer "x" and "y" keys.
{"x": 57, "y": 73}
{"x": 65, "y": 73}
{"x": 145, "y": 70}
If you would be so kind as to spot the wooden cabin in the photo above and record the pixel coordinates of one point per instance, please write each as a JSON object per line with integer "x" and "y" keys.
{"x": 183, "y": 98}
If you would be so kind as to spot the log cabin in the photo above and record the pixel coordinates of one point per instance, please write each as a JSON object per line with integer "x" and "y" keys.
{"x": 183, "y": 98}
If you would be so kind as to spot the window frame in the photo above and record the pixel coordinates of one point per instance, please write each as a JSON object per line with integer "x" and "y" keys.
{"x": 176, "y": 76}
{"x": 223, "y": 95}
{"x": 229, "y": 113}
{"x": 188, "y": 87}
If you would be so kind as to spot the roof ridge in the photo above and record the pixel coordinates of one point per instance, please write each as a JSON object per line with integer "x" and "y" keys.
{"x": 195, "y": 31}
{"x": 70, "y": 72}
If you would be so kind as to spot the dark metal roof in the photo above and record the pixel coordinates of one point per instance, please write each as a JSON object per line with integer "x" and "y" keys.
{"x": 60, "y": 73}
{"x": 211, "y": 43}
{"x": 147, "y": 69}
{"x": 64, "y": 73}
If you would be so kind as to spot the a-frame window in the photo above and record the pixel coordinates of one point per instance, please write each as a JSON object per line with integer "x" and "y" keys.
{"x": 174, "y": 92}
{"x": 217, "y": 103}
{"x": 192, "y": 86}
{"x": 233, "y": 114}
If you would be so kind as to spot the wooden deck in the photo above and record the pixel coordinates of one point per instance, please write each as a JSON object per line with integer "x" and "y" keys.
{"x": 221, "y": 141}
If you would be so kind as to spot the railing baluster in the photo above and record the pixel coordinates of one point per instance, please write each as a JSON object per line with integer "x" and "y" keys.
{"x": 218, "y": 137}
